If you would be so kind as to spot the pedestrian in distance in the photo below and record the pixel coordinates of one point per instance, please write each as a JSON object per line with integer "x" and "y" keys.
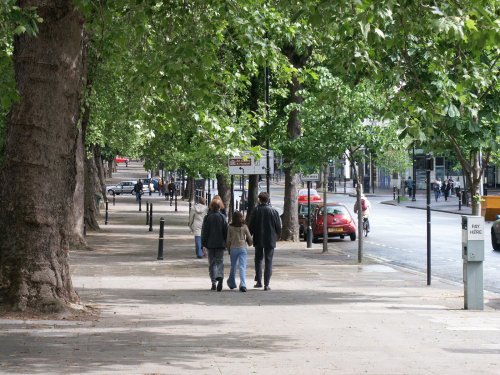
{"x": 409, "y": 183}
{"x": 138, "y": 190}
{"x": 447, "y": 186}
{"x": 365, "y": 210}
{"x": 196, "y": 216}
{"x": 437, "y": 188}
{"x": 171, "y": 190}
{"x": 161, "y": 187}
{"x": 238, "y": 237}
{"x": 213, "y": 238}
{"x": 265, "y": 227}
{"x": 151, "y": 187}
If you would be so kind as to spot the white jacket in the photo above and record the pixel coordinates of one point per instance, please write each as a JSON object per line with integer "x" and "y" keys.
{"x": 196, "y": 216}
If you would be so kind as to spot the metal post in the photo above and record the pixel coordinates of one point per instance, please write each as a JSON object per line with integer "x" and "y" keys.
{"x": 398, "y": 197}
{"x": 106, "y": 216}
{"x": 151, "y": 217}
{"x": 175, "y": 192}
{"x": 394, "y": 193}
{"x": 428, "y": 178}
{"x": 147, "y": 213}
{"x": 345, "y": 181}
{"x": 309, "y": 229}
{"x": 231, "y": 208}
{"x": 459, "y": 200}
{"x": 140, "y": 208}
{"x": 160, "y": 241}
{"x": 113, "y": 198}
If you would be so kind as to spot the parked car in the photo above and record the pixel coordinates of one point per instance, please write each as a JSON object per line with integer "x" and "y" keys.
{"x": 495, "y": 234}
{"x": 125, "y": 187}
{"x": 302, "y": 196}
{"x": 303, "y": 214}
{"x": 121, "y": 159}
{"x": 340, "y": 222}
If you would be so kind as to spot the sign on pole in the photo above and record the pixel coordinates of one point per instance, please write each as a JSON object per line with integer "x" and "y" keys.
{"x": 246, "y": 163}
{"x": 310, "y": 177}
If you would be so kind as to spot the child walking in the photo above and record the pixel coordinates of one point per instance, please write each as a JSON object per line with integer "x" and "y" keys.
{"x": 238, "y": 237}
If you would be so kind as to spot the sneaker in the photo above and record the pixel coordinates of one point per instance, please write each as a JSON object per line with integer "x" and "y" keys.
{"x": 219, "y": 285}
{"x": 243, "y": 289}
{"x": 267, "y": 287}
{"x": 213, "y": 287}
{"x": 258, "y": 285}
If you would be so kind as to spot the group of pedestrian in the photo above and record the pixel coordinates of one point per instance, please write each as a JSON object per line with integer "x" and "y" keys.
{"x": 213, "y": 236}
{"x": 444, "y": 188}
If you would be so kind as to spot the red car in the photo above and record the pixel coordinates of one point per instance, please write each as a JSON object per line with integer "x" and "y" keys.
{"x": 121, "y": 159}
{"x": 302, "y": 196}
{"x": 340, "y": 222}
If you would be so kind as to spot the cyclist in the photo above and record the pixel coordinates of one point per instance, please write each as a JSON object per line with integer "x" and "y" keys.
{"x": 365, "y": 210}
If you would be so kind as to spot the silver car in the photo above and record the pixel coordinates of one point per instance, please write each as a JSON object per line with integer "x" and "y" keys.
{"x": 125, "y": 187}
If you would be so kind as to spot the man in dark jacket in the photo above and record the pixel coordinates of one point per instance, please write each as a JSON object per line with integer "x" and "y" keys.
{"x": 213, "y": 238}
{"x": 265, "y": 227}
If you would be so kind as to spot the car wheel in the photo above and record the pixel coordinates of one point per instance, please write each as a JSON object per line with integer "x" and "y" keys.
{"x": 111, "y": 192}
{"x": 353, "y": 236}
{"x": 494, "y": 241}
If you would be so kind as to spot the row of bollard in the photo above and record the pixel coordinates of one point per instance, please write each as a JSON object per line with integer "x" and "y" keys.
{"x": 149, "y": 221}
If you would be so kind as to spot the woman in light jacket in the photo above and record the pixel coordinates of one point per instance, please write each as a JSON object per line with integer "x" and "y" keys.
{"x": 238, "y": 237}
{"x": 196, "y": 217}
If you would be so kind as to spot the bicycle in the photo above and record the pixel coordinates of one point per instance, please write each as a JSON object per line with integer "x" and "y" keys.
{"x": 366, "y": 226}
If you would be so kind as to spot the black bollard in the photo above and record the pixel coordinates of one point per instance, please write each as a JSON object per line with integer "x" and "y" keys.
{"x": 140, "y": 205}
{"x": 151, "y": 217}
{"x": 398, "y": 196}
{"x": 394, "y": 192}
{"x": 160, "y": 242}
{"x": 113, "y": 198}
{"x": 459, "y": 200}
{"x": 147, "y": 213}
{"x": 106, "y": 216}
{"x": 175, "y": 192}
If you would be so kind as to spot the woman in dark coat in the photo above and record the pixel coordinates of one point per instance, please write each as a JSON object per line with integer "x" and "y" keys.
{"x": 213, "y": 238}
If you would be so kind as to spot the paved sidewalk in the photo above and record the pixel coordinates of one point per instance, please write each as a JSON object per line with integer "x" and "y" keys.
{"x": 325, "y": 314}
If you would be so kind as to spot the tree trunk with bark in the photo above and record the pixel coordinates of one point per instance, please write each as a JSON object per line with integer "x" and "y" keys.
{"x": 41, "y": 144}
{"x": 77, "y": 237}
{"x": 92, "y": 192}
{"x": 290, "y": 219}
{"x": 224, "y": 190}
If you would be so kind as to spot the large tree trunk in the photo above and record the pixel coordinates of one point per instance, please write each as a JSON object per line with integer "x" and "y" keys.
{"x": 92, "y": 191}
{"x": 224, "y": 190}
{"x": 77, "y": 237}
{"x": 41, "y": 143}
{"x": 290, "y": 220}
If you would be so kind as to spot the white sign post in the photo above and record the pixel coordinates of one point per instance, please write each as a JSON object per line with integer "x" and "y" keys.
{"x": 247, "y": 164}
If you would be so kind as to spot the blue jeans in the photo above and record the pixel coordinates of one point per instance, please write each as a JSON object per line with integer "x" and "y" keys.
{"x": 197, "y": 243}
{"x": 137, "y": 196}
{"x": 238, "y": 256}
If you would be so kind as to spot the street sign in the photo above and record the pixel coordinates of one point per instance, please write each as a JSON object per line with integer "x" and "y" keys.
{"x": 310, "y": 177}
{"x": 246, "y": 163}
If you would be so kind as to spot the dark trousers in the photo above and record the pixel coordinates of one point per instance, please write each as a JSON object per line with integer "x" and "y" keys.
{"x": 216, "y": 264}
{"x": 266, "y": 254}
